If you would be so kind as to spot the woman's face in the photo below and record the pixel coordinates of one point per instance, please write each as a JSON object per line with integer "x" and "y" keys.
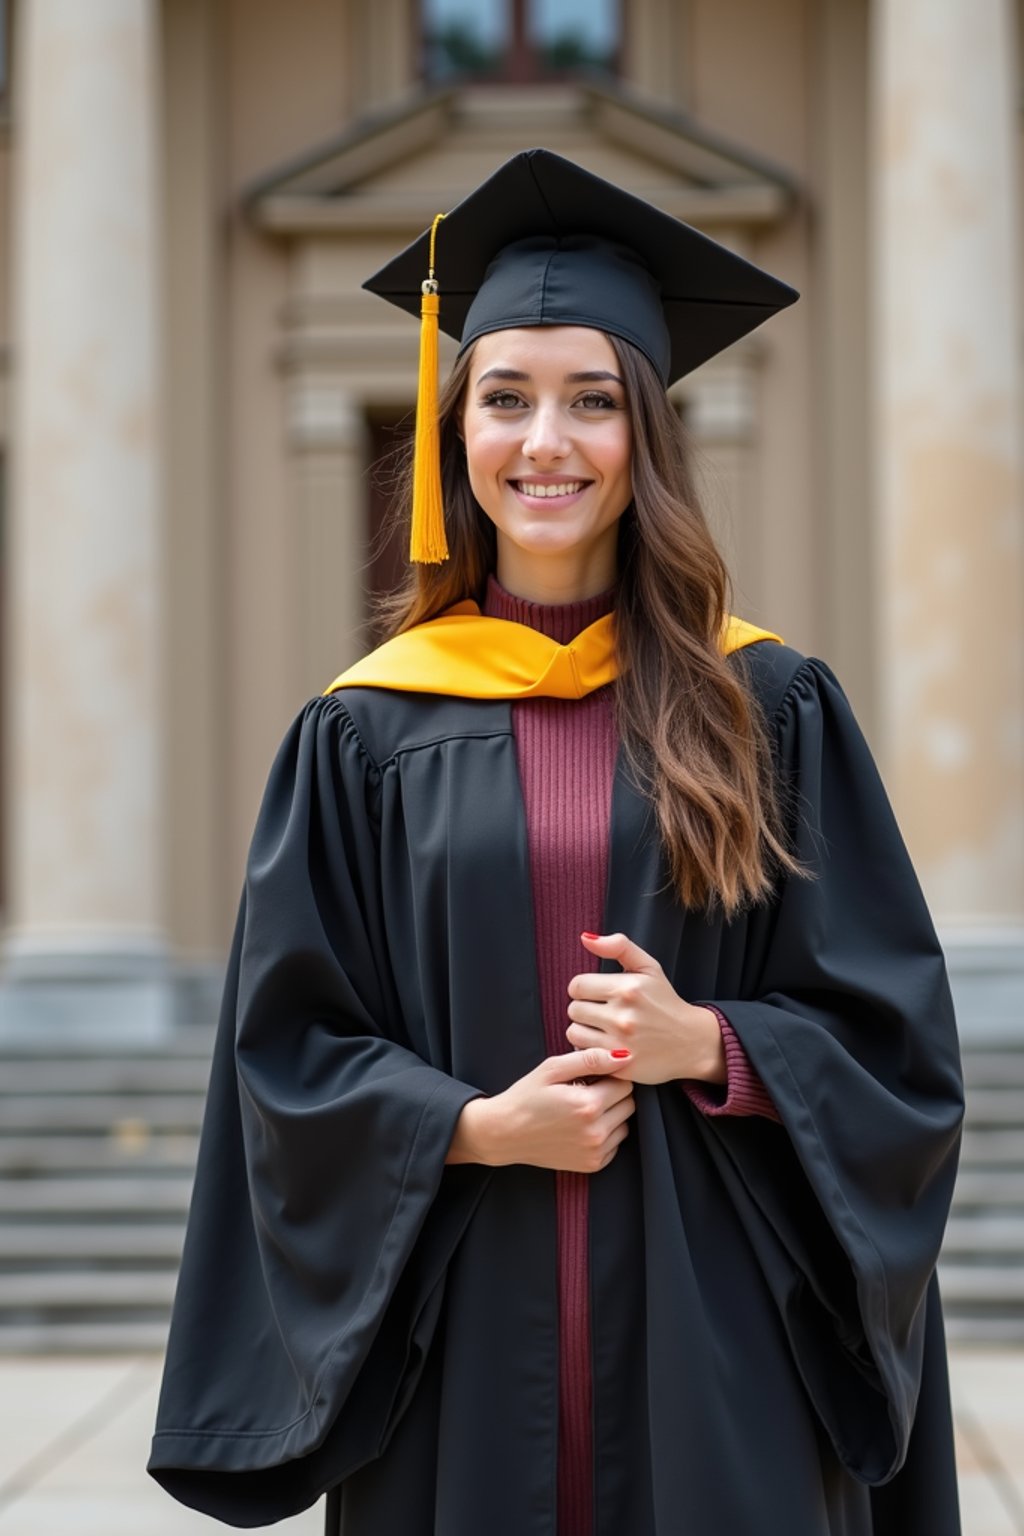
{"x": 548, "y": 447}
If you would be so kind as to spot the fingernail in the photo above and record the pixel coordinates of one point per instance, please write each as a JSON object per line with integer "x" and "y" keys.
{"x": 620, "y": 1055}
{"x": 590, "y": 935}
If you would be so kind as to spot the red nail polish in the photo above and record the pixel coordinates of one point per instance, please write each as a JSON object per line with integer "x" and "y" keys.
{"x": 590, "y": 935}
{"x": 620, "y": 1055}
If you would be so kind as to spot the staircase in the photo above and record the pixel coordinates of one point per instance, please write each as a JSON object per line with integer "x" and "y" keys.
{"x": 982, "y": 1267}
{"x": 96, "y": 1159}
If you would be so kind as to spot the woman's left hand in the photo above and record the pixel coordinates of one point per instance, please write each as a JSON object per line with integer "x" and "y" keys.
{"x": 640, "y": 1011}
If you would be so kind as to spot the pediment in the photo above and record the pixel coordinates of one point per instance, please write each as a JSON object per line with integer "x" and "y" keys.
{"x": 389, "y": 174}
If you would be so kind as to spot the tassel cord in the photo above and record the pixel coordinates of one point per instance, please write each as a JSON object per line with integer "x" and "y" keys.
{"x": 428, "y": 543}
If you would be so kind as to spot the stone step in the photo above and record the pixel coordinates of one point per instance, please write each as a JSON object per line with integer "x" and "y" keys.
{"x": 29, "y": 1241}
{"x": 96, "y": 1159}
{"x": 185, "y": 1041}
{"x": 969, "y": 1328}
{"x": 104, "y": 1337}
{"x": 995, "y": 1106}
{"x": 991, "y": 1147}
{"x": 97, "y": 1243}
{"x": 988, "y": 1186}
{"x": 993, "y": 1068}
{"x": 88, "y": 1196}
{"x": 982, "y": 1284}
{"x": 96, "y": 1291}
{"x": 45, "y": 1114}
{"x": 57, "y": 1075}
{"x": 985, "y": 1235}
{"x": 131, "y": 1147}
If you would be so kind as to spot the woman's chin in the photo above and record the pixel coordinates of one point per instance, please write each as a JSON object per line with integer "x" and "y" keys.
{"x": 549, "y": 540}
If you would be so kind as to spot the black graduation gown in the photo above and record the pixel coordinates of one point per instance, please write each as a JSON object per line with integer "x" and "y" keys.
{"x": 354, "y": 1315}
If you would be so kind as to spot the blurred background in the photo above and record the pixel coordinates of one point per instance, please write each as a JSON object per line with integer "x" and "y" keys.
{"x": 194, "y": 392}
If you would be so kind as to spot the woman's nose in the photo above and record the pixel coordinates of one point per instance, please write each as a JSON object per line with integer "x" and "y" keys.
{"x": 546, "y": 437}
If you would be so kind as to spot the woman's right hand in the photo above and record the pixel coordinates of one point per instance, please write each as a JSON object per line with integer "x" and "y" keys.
{"x": 548, "y": 1118}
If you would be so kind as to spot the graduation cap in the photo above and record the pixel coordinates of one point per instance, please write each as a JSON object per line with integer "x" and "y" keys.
{"x": 544, "y": 242}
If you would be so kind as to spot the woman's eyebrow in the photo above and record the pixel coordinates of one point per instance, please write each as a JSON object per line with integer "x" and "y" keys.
{"x": 504, "y": 373}
{"x": 591, "y": 376}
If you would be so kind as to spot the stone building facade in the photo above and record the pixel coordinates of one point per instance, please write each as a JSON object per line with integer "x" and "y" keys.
{"x": 195, "y": 388}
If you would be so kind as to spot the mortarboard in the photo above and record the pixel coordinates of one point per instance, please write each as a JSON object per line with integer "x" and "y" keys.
{"x": 544, "y": 242}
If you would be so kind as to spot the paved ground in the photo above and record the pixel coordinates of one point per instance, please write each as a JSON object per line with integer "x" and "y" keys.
{"x": 74, "y": 1436}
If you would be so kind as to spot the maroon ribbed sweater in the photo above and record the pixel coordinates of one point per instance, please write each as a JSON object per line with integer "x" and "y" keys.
{"x": 566, "y": 751}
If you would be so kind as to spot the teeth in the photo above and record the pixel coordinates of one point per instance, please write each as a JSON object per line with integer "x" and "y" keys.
{"x": 570, "y": 488}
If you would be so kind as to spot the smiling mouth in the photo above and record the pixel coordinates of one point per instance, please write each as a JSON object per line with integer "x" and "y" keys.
{"x": 549, "y": 489}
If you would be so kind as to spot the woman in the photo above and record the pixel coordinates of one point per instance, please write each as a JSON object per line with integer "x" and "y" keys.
{"x": 584, "y": 1114}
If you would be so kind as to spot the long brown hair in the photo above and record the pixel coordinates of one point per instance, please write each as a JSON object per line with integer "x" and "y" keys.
{"x": 693, "y": 735}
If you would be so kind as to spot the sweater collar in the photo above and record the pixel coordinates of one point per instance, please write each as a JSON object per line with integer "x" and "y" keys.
{"x": 561, "y": 622}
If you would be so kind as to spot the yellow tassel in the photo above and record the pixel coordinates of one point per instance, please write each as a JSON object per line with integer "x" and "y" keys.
{"x": 428, "y": 544}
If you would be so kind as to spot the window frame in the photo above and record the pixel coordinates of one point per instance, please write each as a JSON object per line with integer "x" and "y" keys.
{"x": 522, "y": 59}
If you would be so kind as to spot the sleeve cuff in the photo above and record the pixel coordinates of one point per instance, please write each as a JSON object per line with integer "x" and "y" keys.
{"x": 743, "y": 1092}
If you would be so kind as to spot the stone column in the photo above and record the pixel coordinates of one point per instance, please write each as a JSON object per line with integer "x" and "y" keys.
{"x": 328, "y": 437}
{"x": 950, "y": 597}
{"x": 84, "y": 947}
{"x": 720, "y": 410}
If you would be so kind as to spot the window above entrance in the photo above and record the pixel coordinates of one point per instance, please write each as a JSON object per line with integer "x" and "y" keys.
{"x": 519, "y": 41}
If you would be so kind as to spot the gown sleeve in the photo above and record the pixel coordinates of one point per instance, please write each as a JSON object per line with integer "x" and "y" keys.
{"x": 846, "y": 1017}
{"x": 322, "y": 1216}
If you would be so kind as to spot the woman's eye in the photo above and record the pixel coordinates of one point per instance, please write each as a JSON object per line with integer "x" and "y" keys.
{"x": 505, "y": 399}
{"x": 509, "y": 400}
